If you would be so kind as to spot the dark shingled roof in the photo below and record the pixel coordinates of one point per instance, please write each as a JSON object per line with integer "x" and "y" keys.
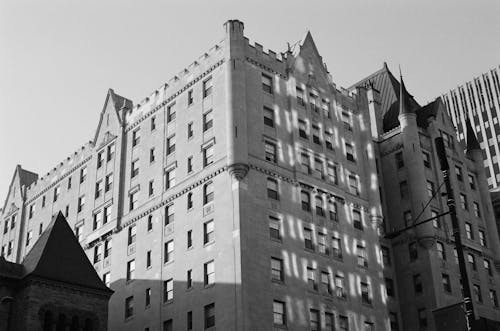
{"x": 391, "y": 120}
{"x": 472, "y": 143}
{"x": 58, "y": 256}
{"x": 27, "y": 177}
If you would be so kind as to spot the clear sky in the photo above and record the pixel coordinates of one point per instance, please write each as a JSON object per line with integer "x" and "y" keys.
{"x": 59, "y": 57}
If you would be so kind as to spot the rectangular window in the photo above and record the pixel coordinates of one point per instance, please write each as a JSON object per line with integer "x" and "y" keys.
{"x": 110, "y": 152}
{"x": 365, "y": 293}
{"x": 303, "y": 129}
{"x": 349, "y": 152}
{"x": 332, "y": 210}
{"x": 311, "y": 279}
{"x": 343, "y": 323}
{"x": 190, "y": 98}
{"x": 129, "y": 307}
{"x": 168, "y": 290}
{"x": 100, "y": 159}
{"x": 300, "y": 96}
{"x": 417, "y": 283}
{"x": 308, "y": 239}
{"x": 98, "y": 189}
{"x": 430, "y": 189}
{"x": 279, "y": 313}
{"x": 325, "y": 283}
{"x": 171, "y": 144}
{"x": 147, "y": 296}
{"x": 476, "y": 289}
{"x": 314, "y": 320}
{"x": 356, "y": 219}
{"x": 389, "y": 287}
{"x": 83, "y": 174}
{"x": 190, "y": 130}
{"x": 362, "y": 258}
{"x": 277, "y": 269}
{"x": 267, "y": 84}
{"x": 189, "y": 164}
{"x": 136, "y": 137}
{"x": 148, "y": 259}
{"x": 463, "y": 201}
{"x": 477, "y": 211}
{"x": 472, "y": 261}
{"x": 208, "y": 155}
{"x": 274, "y": 228}
{"x": 150, "y": 223}
{"x": 207, "y": 87}
{"x": 132, "y": 234}
{"x": 78, "y": 231}
{"x": 313, "y": 101}
{"x": 270, "y": 151}
{"x": 130, "y": 270}
{"x": 468, "y": 231}
{"x": 494, "y": 298}
{"x": 81, "y": 203}
{"x": 209, "y": 312}
{"x": 393, "y": 321}
{"x": 31, "y": 211}
{"x": 57, "y": 192}
{"x": 272, "y": 189}
{"x": 458, "y": 173}
{"x": 412, "y": 247}
{"x": 329, "y": 322}
{"x": 437, "y": 221}
{"x": 106, "y": 214}
{"x": 171, "y": 113}
{"x": 487, "y": 267}
{"x": 169, "y": 214}
{"x": 336, "y": 247}
{"x": 189, "y": 239}
{"x": 168, "y": 325}
{"x": 209, "y": 273}
{"x": 427, "y": 159}
{"x": 268, "y": 117}
{"x": 106, "y": 279}
{"x": 328, "y": 140}
{"x": 189, "y": 279}
{"x": 208, "y": 232}
{"x": 408, "y": 218}
{"x": 318, "y": 166}
{"x": 422, "y": 318}
{"x": 151, "y": 187}
{"x": 133, "y": 200}
{"x": 472, "y": 182}
{"x": 446, "y": 283}
{"x": 403, "y": 189}
{"x": 208, "y": 120}
{"x": 400, "y": 163}
{"x": 108, "y": 182}
{"x": 208, "y": 193}
{"x": 482, "y": 238}
{"x": 332, "y": 173}
{"x": 134, "y": 168}
{"x": 69, "y": 183}
{"x": 151, "y": 155}
{"x": 315, "y": 134}
{"x": 386, "y": 257}
{"x": 108, "y": 246}
{"x": 441, "y": 253}
{"x": 29, "y": 236}
{"x": 319, "y": 204}
{"x": 347, "y": 120}
{"x": 353, "y": 185}
{"x": 322, "y": 248}
{"x": 153, "y": 123}
{"x": 169, "y": 251}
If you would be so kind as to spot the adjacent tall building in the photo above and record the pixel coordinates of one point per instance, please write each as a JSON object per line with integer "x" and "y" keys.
{"x": 244, "y": 194}
{"x": 479, "y": 100}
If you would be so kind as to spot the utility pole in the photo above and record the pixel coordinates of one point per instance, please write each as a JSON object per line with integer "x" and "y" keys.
{"x": 445, "y": 168}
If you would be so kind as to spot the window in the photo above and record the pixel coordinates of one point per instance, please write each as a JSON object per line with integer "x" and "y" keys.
{"x": 300, "y": 96}
{"x": 315, "y": 134}
{"x": 168, "y": 290}
{"x": 476, "y": 289}
{"x": 208, "y": 155}
{"x": 422, "y": 318}
{"x": 153, "y": 123}
{"x": 320, "y": 208}
{"x": 318, "y": 166}
{"x": 190, "y": 164}
{"x": 136, "y": 137}
{"x": 305, "y": 162}
{"x": 151, "y": 187}
{"x": 325, "y": 283}
{"x": 106, "y": 279}
{"x": 189, "y": 201}
{"x": 78, "y": 231}
{"x": 81, "y": 203}
{"x": 171, "y": 113}
{"x": 472, "y": 182}
{"x": 311, "y": 279}
{"x": 190, "y": 130}
{"x": 440, "y": 250}
{"x": 356, "y": 219}
{"x": 98, "y": 189}
{"x": 190, "y": 98}
{"x": 437, "y": 221}
{"x": 408, "y": 218}
{"x": 412, "y": 247}
{"x": 487, "y": 267}
{"x": 332, "y": 210}
{"x": 148, "y": 259}
{"x": 269, "y": 117}
{"x": 446, "y": 283}
{"x": 336, "y": 247}
{"x": 393, "y": 321}
{"x": 133, "y": 200}
{"x": 472, "y": 261}
{"x": 468, "y": 231}
{"x": 272, "y": 189}
{"x": 313, "y": 102}
{"x": 417, "y": 283}
{"x": 170, "y": 178}
{"x": 270, "y": 151}
{"x": 463, "y": 201}
{"x": 207, "y": 87}
{"x": 110, "y": 152}
{"x": 458, "y": 173}
{"x": 328, "y": 140}
{"x": 31, "y": 211}
{"x": 347, "y": 120}
{"x": 100, "y": 159}
{"x": 477, "y": 211}
{"x": 303, "y": 129}
{"x": 208, "y": 232}
{"x": 168, "y": 325}
{"x": 430, "y": 189}
{"x": 403, "y": 189}
{"x": 108, "y": 246}
{"x": 362, "y": 258}
{"x": 57, "y": 192}
{"x": 29, "y": 236}
{"x": 6, "y": 226}
{"x": 208, "y": 193}
{"x": 279, "y": 313}
{"x": 83, "y": 174}
{"x": 169, "y": 251}
{"x": 308, "y": 240}
{"x": 129, "y": 307}
{"x": 108, "y": 182}
{"x": 353, "y": 185}
{"x": 147, "y": 302}
{"x": 322, "y": 248}
{"x": 349, "y": 152}
{"x": 134, "y": 168}
{"x": 151, "y": 155}
{"x": 209, "y": 311}
{"x": 189, "y": 279}
{"x": 106, "y": 214}
{"x": 169, "y": 214}
{"x": 208, "y": 120}
{"x": 171, "y": 144}
{"x": 332, "y": 173}
{"x": 427, "y": 159}
{"x": 132, "y": 234}
{"x": 494, "y": 298}
{"x": 44, "y": 198}
{"x": 69, "y": 183}
{"x": 482, "y": 238}
{"x": 9, "y": 247}
{"x": 150, "y": 222}
{"x": 400, "y": 163}
{"x": 314, "y": 320}
{"x": 274, "y": 228}
{"x": 389, "y": 287}
{"x": 386, "y": 257}
{"x": 343, "y": 323}
{"x": 277, "y": 269}
{"x": 130, "y": 270}
{"x": 267, "y": 84}
{"x": 189, "y": 239}
{"x": 209, "y": 273}
{"x": 329, "y": 322}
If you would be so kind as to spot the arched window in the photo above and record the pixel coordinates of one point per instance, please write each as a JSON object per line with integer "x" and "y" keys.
{"x": 208, "y": 193}
{"x": 48, "y": 321}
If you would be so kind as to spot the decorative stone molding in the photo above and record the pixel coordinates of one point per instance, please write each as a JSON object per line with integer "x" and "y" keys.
{"x": 262, "y": 66}
{"x": 427, "y": 242}
{"x": 238, "y": 171}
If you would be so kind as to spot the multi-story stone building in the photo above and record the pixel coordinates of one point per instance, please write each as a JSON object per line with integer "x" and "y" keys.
{"x": 479, "y": 100}
{"x": 242, "y": 195}
{"x": 426, "y": 262}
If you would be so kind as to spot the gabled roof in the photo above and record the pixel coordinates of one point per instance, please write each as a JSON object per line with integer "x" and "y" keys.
{"x": 472, "y": 143}
{"x": 26, "y": 178}
{"x": 312, "y": 62}
{"x": 391, "y": 120}
{"x": 58, "y": 256}
{"x": 118, "y": 103}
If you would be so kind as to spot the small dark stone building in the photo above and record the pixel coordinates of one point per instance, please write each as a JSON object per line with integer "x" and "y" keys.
{"x": 54, "y": 288}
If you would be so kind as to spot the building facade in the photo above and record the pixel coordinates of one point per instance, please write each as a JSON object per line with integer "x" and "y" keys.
{"x": 479, "y": 99}
{"x": 239, "y": 195}
{"x": 426, "y": 262}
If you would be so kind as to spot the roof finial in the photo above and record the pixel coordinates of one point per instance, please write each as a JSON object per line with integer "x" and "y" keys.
{"x": 400, "y": 74}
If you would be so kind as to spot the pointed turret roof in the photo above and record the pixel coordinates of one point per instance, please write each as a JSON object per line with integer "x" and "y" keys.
{"x": 472, "y": 143}
{"x": 404, "y": 99}
{"x": 58, "y": 256}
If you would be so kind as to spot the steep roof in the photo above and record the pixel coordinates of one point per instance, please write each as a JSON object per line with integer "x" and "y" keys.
{"x": 472, "y": 143}
{"x": 391, "y": 120}
{"x": 24, "y": 177}
{"x": 404, "y": 99}
{"x": 117, "y": 102}
{"x": 58, "y": 256}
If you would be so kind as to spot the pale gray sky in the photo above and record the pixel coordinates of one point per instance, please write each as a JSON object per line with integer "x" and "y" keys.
{"x": 58, "y": 58}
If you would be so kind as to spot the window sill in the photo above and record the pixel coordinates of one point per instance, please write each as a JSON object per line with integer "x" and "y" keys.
{"x": 128, "y": 319}
{"x": 210, "y": 243}
{"x": 278, "y": 281}
{"x": 209, "y": 286}
{"x": 277, "y": 240}
{"x": 278, "y": 326}
{"x": 168, "y": 302}
{"x": 168, "y": 262}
